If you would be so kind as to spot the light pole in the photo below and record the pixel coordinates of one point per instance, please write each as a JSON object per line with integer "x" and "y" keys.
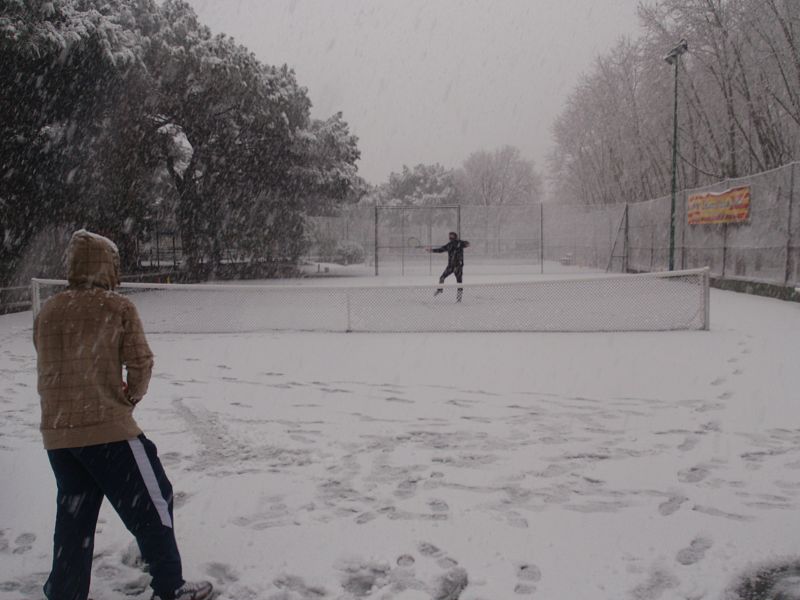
{"x": 673, "y": 58}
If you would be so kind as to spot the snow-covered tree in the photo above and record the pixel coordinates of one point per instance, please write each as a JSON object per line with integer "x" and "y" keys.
{"x": 114, "y": 114}
{"x": 502, "y": 176}
{"x": 739, "y": 99}
{"x": 64, "y": 73}
{"x": 421, "y": 185}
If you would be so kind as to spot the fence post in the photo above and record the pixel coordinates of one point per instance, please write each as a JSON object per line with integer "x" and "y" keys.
{"x": 707, "y": 298}
{"x": 684, "y": 226}
{"x": 376, "y": 239}
{"x": 789, "y": 236}
{"x": 403, "y": 241}
{"x": 541, "y": 236}
{"x": 625, "y": 242}
{"x": 613, "y": 241}
{"x": 724, "y": 247}
{"x": 430, "y": 242}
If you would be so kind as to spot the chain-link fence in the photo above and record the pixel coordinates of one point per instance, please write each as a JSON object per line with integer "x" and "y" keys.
{"x": 763, "y": 249}
{"x": 163, "y": 250}
{"x": 620, "y": 238}
{"x": 651, "y": 302}
{"x": 392, "y": 240}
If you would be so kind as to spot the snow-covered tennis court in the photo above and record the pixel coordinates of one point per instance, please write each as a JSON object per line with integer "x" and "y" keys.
{"x": 404, "y": 466}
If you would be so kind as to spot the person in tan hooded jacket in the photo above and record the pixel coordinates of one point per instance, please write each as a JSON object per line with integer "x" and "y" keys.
{"x": 84, "y": 337}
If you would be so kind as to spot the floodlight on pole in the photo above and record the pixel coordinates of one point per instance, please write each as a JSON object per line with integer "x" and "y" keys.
{"x": 673, "y": 58}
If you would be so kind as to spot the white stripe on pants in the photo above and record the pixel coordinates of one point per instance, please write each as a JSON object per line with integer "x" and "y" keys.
{"x": 149, "y": 477}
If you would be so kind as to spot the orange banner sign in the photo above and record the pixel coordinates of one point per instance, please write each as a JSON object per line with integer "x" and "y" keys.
{"x": 731, "y": 206}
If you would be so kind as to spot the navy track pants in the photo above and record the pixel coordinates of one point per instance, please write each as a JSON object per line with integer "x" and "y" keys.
{"x": 130, "y": 475}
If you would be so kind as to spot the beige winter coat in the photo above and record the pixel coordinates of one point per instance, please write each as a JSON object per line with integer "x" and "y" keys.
{"x": 83, "y": 337}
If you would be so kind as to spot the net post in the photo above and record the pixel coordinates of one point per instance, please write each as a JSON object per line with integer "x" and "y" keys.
{"x": 347, "y": 302}
{"x": 36, "y": 298}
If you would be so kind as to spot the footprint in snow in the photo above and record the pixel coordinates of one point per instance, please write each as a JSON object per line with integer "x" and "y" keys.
{"x": 29, "y": 586}
{"x": 221, "y": 572}
{"x": 362, "y": 578}
{"x": 292, "y": 587}
{"x": 694, "y": 552}
{"x": 107, "y": 571}
{"x": 517, "y": 520}
{"x": 405, "y": 560}
{"x": 527, "y": 576}
{"x": 23, "y": 543}
{"x": 428, "y": 549}
{"x": 450, "y": 585}
{"x": 693, "y": 474}
{"x": 365, "y": 518}
{"x": 671, "y": 505}
{"x": 134, "y": 587}
{"x": 689, "y": 443}
{"x": 399, "y": 400}
{"x": 406, "y": 488}
{"x": 657, "y": 583}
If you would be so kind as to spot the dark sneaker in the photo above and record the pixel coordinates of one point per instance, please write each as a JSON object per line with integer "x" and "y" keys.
{"x": 437, "y": 292}
{"x": 198, "y": 590}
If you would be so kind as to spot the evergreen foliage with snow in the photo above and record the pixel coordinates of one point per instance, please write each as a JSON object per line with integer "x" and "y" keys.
{"x": 124, "y": 117}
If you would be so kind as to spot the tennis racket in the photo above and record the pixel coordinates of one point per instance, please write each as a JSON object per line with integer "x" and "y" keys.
{"x": 413, "y": 242}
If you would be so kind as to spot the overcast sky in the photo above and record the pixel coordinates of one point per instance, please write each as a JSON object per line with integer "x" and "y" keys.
{"x": 431, "y": 80}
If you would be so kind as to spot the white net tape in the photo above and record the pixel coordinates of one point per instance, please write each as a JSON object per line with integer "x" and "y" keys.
{"x": 651, "y": 302}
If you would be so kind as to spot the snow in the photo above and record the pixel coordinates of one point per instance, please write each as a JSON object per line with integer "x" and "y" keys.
{"x": 98, "y": 238}
{"x": 462, "y": 465}
{"x": 178, "y": 146}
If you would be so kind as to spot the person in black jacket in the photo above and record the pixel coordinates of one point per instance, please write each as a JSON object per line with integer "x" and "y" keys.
{"x": 455, "y": 261}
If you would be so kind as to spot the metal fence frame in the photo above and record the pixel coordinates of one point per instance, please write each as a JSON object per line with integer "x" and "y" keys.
{"x": 631, "y": 237}
{"x": 403, "y": 247}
